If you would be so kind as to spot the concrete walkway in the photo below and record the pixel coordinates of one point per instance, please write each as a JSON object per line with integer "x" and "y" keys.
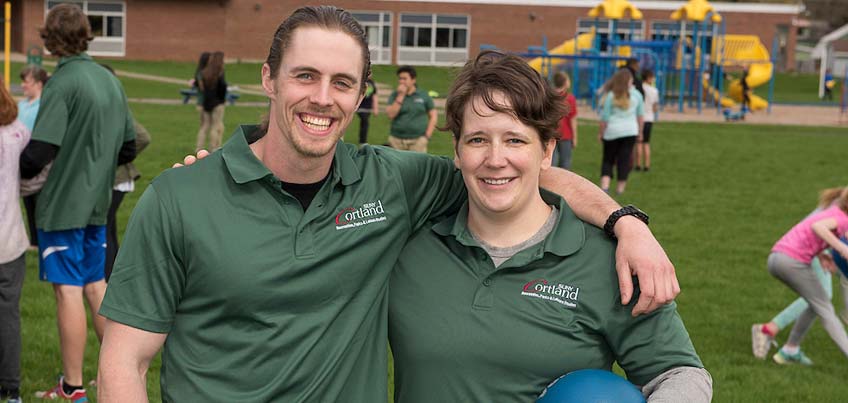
{"x": 781, "y": 114}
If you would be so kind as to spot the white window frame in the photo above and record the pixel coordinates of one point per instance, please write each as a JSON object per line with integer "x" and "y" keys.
{"x": 105, "y": 14}
{"x": 384, "y": 53}
{"x": 432, "y": 51}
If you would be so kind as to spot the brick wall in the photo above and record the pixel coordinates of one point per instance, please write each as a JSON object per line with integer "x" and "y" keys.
{"x": 181, "y": 29}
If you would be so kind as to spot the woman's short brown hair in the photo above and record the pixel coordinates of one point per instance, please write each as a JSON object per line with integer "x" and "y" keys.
{"x": 66, "y": 31}
{"x": 531, "y": 100}
{"x": 37, "y": 73}
{"x": 8, "y": 107}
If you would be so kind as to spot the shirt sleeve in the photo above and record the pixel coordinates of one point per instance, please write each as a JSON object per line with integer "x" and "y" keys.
{"x": 52, "y": 120}
{"x": 129, "y": 127}
{"x": 428, "y": 103}
{"x": 650, "y": 344}
{"x": 432, "y": 185}
{"x": 149, "y": 278}
{"x": 606, "y": 108}
{"x": 640, "y": 105}
{"x": 572, "y": 106}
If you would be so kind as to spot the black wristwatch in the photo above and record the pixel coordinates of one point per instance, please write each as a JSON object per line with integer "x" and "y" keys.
{"x": 626, "y": 210}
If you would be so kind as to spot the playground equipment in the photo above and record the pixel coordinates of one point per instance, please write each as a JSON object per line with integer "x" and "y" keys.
{"x": 688, "y": 54}
{"x": 591, "y": 57}
{"x": 570, "y": 47}
{"x": 747, "y": 49}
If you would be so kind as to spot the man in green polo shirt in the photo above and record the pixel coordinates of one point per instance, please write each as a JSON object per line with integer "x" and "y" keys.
{"x": 263, "y": 269}
{"x": 412, "y": 113}
{"x": 85, "y": 129}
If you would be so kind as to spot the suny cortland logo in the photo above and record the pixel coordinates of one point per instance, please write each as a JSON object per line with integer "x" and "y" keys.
{"x": 560, "y": 293}
{"x": 368, "y": 213}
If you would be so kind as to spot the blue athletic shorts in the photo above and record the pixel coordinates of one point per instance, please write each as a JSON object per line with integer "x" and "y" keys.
{"x": 72, "y": 257}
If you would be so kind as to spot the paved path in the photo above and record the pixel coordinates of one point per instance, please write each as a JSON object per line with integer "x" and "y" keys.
{"x": 780, "y": 115}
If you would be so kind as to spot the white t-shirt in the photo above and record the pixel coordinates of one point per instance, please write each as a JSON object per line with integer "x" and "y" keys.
{"x": 652, "y": 97}
{"x": 13, "y": 242}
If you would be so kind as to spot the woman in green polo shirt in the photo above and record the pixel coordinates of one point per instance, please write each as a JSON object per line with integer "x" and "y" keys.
{"x": 497, "y": 301}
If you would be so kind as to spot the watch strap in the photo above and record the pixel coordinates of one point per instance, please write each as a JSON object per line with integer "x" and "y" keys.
{"x": 609, "y": 226}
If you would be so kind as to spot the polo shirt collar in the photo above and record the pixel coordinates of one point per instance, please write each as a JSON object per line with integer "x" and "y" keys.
{"x": 67, "y": 59}
{"x": 344, "y": 167}
{"x": 240, "y": 160}
{"x": 567, "y": 237}
{"x": 244, "y": 167}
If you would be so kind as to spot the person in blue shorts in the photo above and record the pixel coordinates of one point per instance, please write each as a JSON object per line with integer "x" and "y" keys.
{"x": 85, "y": 129}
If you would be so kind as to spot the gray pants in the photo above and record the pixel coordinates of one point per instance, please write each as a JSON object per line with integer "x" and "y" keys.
{"x": 11, "y": 282}
{"x": 801, "y": 279}
{"x": 562, "y": 154}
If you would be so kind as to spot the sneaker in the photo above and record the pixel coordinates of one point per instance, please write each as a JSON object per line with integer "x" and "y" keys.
{"x": 14, "y": 395}
{"x": 77, "y": 396}
{"x": 761, "y": 342}
{"x": 799, "y": 358}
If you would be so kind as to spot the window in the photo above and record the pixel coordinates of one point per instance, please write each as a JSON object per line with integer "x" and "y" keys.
{"x": 378, "y": 29}
{"x": 433, "y": 39}
{"x": 107, "y": 25}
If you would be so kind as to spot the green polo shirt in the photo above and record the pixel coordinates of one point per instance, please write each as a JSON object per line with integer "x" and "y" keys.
{"x": 411, "y": 121}
{"x": 261, "y": 300}
{"x": 463, "y": 331}
{"x": 84, "y": 112}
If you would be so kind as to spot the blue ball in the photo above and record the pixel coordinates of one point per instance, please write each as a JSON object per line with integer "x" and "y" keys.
{"x": 840, "y": 261}
{"x": 591, "y": 386}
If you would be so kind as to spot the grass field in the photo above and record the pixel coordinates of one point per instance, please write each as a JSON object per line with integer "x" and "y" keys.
{"x": 719, "y": 196}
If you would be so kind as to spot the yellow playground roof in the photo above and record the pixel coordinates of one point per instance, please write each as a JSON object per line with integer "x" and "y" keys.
{"x": 615, "y": 9}
{"x": 696, "y": 10}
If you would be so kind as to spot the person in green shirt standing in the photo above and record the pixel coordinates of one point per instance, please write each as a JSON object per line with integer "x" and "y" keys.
{"x": 262, "y": 270}
{"x": 493, "y": 303}
{"x": 85, "y": 129}
{"x": 412, "y": 113}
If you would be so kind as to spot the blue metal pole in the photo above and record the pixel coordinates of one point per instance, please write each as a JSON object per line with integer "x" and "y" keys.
{"x": 575, "y": 76}
{"x": 720, "y": 60}
{"x": 682, "y": 74}
{"x": 700, "y": 60}
{"x": 774, "y": 49}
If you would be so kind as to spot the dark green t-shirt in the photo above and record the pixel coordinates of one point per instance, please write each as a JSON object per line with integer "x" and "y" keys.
{"x": 411, "y": 122}
{"x": 84, "y": 112}
{"x": 261, "y": 300}
{"x": 462, "y": 330}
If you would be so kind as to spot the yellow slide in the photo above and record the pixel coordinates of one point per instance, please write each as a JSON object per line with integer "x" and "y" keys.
{"x": 747, "y": 50}
{"x": 715, "y": 94}
{"x": 569, "y": 47}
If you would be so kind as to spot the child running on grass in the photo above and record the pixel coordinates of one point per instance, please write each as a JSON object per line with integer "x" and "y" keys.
{"x": 763, "y": 334}
{"x": 790, "y": 261}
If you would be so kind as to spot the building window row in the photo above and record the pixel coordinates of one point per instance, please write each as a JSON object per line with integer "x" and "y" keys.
{"x": 425, "y": 39}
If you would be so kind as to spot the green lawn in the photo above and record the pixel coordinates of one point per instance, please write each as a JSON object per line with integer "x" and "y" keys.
{"x": 797, "y": 88}
{"x": 719, "y": 196}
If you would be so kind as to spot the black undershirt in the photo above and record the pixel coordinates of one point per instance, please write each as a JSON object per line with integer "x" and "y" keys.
{"x": 303, "y": 192}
